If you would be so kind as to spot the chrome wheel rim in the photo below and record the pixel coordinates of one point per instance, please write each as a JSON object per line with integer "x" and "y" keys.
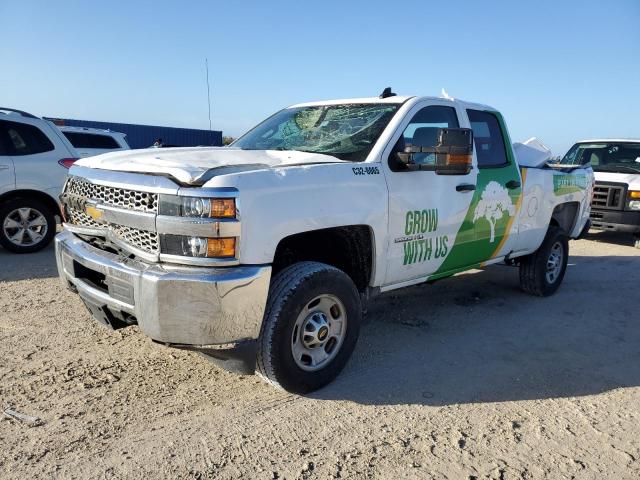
{"x": 319, "y": 332}
{"x": 25, "y": 227}
{"x": 554, "y": 262}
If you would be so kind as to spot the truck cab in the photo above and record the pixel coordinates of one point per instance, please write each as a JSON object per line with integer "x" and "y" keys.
{"x": 263, "y": 253}
{"x": 616, "y": 196}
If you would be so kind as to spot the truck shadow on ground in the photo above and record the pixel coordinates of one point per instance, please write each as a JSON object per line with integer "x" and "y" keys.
{"x": 14, "y": 267}
{"x": 478, "y": 338}
{"x": 625, "y": 239}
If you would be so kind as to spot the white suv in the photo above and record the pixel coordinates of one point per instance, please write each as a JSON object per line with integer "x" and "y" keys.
{"x": 94, "y": 141}
{"x": 34, "y": 158}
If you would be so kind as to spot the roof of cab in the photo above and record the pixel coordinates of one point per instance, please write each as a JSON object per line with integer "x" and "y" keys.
{"x": 611, "y": 140}
{"x": 394, "y": 100}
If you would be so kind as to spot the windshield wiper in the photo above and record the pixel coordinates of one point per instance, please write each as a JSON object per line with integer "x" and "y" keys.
{"x": 618, "y": 169}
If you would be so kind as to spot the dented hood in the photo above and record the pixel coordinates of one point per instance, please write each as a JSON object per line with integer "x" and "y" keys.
{"x": 194, "y": 166}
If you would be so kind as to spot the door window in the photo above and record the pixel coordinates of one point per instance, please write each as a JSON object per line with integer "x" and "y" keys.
{"x": 25, "y": 139}
{"x": 425, "y": 125}
{"x": 487, "y": 136}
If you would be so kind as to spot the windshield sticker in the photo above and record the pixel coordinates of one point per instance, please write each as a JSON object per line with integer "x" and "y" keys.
{"x": 564, "y": 184}
{"x": 417, "y": 247}
{"x": 494, "y": 203}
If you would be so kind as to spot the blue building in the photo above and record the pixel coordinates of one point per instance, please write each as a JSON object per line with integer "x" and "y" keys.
{"x": 143, "y": 136}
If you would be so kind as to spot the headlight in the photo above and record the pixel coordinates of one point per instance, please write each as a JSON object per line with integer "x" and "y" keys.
{"x": 197, "y": 206}
{"x": 634, "y": 205}
{"x": 199, "y": 247}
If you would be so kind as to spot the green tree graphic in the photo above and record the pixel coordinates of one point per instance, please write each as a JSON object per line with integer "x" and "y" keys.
{"x": 494, "y": 203}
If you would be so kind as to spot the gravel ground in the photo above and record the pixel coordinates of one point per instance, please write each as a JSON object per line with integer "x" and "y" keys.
{"x": 465, "y": 379}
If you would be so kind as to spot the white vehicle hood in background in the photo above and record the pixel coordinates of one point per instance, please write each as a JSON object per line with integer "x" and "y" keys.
{"x": 631, "y": 179}
{"x": 194, "y": 165}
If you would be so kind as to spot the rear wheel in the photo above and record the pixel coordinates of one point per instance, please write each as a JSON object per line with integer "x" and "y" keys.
{"x": 541, "y": 273}
{"x": 26, "y": 225}
{"x": 310, "y": 328}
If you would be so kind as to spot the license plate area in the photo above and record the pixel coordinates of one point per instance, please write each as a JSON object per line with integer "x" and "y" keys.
{"x": 115, "y": 283}
{"x": 91, "y": 277}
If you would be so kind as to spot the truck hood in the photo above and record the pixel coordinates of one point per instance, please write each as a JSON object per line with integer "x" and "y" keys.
{"x": 195, "y": 166}
{"x": 631, "y": 179}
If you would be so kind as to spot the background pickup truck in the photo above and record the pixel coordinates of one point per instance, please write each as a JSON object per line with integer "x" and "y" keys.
{"x": 616, "y": 198}
{"x": 262, "y": 254}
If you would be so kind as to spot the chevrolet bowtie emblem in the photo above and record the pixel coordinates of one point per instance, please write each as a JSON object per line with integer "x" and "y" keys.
{"x": 93, "y": 212}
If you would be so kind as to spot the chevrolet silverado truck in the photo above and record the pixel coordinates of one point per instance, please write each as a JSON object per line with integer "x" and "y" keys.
{"x": 616, "y": 197}
{"x": 263, "y": 253}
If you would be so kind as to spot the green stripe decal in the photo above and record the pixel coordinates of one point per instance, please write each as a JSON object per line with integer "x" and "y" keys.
{"x": 489, "y": 217}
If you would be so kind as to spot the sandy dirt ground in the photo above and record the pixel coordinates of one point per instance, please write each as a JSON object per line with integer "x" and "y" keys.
{"x": 468, "y": 379}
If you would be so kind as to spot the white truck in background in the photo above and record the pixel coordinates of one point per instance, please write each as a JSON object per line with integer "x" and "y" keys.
{"x": 94, "y": 141}
{"x": 262, "y": 254}
{"x": 616, "y": 198}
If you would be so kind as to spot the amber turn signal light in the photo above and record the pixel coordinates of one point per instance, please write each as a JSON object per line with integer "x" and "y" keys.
{"x": 456, "y": 159}
{"x": 221, "y": 247}
{"x": 223, "y": 208}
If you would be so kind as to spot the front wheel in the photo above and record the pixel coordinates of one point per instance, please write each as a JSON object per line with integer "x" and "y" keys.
{"x": 26, "y": 225}
{"x": 541, "y": 273}
{"x": 310, "y": 327}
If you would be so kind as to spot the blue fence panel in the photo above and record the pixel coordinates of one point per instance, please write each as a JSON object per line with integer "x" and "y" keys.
{"x": 143, "y": 136}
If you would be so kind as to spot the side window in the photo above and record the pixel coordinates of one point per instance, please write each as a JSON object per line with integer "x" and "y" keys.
{"x": 25, "y": 139}
{"x": 4, "y": 149}
{"x": 488, "y": 139}
{"x": 90, "y": 140}
{"x": 425, "y": 125}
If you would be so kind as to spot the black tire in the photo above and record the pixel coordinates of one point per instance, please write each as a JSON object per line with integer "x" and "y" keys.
{"x": 534, "y": 268}
{"x": 8, "y": 208}
{"x": 291, "y": 291}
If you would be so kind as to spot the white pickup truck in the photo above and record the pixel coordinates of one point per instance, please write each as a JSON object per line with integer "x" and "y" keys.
{"x": 616, "y": 198}
{"x": 263, "y": 253}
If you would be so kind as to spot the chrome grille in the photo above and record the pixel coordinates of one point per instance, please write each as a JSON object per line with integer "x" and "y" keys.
{"x": 82, "y": 219}
{"x": 142, "y": 239}
{"x": 146, "y": 202}
{"x": 117, "y": 197}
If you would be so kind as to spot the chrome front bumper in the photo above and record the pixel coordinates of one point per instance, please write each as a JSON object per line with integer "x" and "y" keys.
{"x": 187, "y": 306}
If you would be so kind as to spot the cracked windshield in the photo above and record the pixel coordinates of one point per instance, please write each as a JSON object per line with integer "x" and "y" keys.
{"x": 347, "y": 132}
{"x": 606, "y": 157}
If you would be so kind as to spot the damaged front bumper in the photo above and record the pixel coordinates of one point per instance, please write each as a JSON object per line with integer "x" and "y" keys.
{"x": 215, "y": 311}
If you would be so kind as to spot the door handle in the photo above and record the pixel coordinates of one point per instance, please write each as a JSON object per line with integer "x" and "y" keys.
{"x": 4, "y": 167}
{"x": 465, "y": 187}
{"x": 511, "y": 184}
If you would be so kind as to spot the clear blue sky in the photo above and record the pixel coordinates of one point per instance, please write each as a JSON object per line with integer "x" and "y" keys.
{"x": 560, "y": 70}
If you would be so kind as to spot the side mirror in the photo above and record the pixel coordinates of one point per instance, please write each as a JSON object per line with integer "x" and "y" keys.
{"x": 453, "y": 150}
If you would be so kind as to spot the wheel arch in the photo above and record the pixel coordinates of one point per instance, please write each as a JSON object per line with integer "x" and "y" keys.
{"x": 350, "y": 248}
{"x": 565, "y": 216}
{"x": 43, "y": 197}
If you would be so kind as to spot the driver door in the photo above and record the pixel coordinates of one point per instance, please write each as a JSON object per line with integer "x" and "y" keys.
{"x": 426, "y": 210}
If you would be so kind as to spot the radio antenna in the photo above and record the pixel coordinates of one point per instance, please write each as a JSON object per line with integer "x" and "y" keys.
{"x": 206, "y": 64}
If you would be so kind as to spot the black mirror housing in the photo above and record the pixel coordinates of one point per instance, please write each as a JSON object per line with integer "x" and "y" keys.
{"x": 453, "y": 150}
